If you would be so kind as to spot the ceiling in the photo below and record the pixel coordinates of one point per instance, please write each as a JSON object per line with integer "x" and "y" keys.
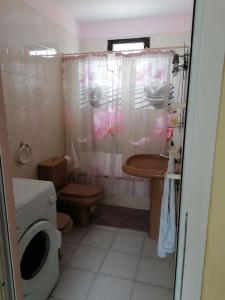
{"x": 101, "y": 10}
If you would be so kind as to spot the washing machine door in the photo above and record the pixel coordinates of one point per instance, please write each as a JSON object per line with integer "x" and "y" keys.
{"x": 38, "y": 249}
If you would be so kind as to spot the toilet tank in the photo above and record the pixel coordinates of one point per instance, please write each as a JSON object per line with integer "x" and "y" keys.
{"x": 53, "y": 169}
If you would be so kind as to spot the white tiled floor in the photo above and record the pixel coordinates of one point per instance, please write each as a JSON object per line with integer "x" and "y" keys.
{"x": 128, "y": 243}
{"x": 149, "y": 292}
{"x": 98, "y": 238}
{"x": 150, "y": 250}
{"x": 155, "y": 271}
{"x": 106, "y": 263}
{"x": 120, "y": 264}
{"x": 110, "y": 288}
{"x": 87, "y": 258}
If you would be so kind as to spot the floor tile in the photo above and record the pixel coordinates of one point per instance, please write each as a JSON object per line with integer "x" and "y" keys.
{"x": 156, "y": 272}
{"x": 150, "y": 250}
{"x": 110, "y": 288}
{"x": 87, "y": 258}
{"x": 128, "y": 243}
{"x": 98, "y": 238}
{"x": 73, "y": 284}
{"x": 75, "y": 236}
{"x": 66, "y": 252}
{"x": 110, "y": 228}
{"x": 120, "y": 264}
{"x": 149, "y": 292}
{"x": 130, "y": 231}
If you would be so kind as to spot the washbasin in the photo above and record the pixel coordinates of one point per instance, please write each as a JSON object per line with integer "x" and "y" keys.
{"x": 154, "y": 167}
{"x": 146, "y": 165}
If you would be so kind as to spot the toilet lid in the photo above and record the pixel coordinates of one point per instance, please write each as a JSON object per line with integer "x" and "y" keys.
{"x": 80, "y": 190}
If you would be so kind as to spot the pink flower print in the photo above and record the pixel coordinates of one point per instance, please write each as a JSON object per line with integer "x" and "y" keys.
{"x": 148, "y": 69}
{"x": 108, "y": 123}
{"x": 159, "y": 74}
{"x": 169, "y": 133}
{"x": 115, "y": 119}
{"x": 160, "y": 125}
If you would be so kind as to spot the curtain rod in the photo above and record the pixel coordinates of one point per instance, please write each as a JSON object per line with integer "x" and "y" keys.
{"x": 105, "y": 52}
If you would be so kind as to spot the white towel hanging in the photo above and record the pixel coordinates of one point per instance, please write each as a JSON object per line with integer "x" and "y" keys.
{"x": 167, "y": 231}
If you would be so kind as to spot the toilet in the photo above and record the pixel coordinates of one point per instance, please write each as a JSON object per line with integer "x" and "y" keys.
{"x": 64, "y": 222}
{"x": 64, "y": 225}
{"x": 74, "y": 199}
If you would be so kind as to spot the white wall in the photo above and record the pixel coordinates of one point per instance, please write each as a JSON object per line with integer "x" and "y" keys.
{"x": 22, "y": 27}
{"x": 32, "y": 93}
{"x": 32, "y": 87}
{"x": 171, "y": 39}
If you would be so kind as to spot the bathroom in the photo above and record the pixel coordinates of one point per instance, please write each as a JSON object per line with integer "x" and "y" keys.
{"x": 76, "y": 89}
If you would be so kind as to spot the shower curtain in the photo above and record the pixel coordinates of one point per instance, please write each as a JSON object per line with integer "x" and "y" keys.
{"x": 115, "y": 107}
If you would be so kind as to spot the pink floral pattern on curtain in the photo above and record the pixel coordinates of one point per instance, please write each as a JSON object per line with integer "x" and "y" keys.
{"x": 113, "y": 109}
{"x": 108, "y": 123}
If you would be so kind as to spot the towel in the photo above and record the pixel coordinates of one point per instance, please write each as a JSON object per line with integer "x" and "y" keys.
{"x": 167, "y": 231}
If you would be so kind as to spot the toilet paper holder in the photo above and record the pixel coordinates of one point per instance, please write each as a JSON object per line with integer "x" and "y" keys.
{"x": 24, "y": 153}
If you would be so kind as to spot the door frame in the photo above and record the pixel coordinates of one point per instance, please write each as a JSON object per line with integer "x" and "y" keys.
{"x": 208, "y": 50}
{"x": 10, "y": 271}
{"x": 6, "y": 269}
{"x": 202, "y": 117}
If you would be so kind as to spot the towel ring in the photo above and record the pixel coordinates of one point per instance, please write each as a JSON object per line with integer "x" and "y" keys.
{"x": 24, "y": 153}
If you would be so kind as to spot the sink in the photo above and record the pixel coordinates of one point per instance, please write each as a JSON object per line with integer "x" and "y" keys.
{"x": 146, "y": 165}
{"x": 154, "y": 167}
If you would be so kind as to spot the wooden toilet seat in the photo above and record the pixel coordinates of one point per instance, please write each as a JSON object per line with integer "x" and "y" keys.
{"x": 80, "y": 190}
{"x": 64, "y": 222}
{"x": 76, "y": 200}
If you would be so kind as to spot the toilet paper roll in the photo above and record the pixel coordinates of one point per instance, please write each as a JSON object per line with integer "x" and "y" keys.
{"x": 70, "y": 163}
{"x": 68, "y": 159}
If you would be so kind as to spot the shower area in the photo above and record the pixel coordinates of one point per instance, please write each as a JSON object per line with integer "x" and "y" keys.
{"x": 118, "y": 105}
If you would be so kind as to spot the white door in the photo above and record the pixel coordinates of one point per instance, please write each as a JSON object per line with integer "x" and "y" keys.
{"x": 2, "y": 273}
{"x": 208, "y": 50}
{"x": 7, "y": 288}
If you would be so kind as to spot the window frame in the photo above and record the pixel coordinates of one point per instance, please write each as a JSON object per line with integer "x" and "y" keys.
{"x": 145, "y": 40}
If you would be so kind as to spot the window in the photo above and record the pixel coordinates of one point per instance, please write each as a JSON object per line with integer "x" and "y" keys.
{"x": 126, "y": 45}
{"x": 48, "y": 52}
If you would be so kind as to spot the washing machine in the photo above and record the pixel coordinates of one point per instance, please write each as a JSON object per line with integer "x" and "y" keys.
{"x": 38, "y": 237}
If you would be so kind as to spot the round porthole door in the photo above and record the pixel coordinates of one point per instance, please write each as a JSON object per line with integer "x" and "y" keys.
{"x": 38, "y": 252}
